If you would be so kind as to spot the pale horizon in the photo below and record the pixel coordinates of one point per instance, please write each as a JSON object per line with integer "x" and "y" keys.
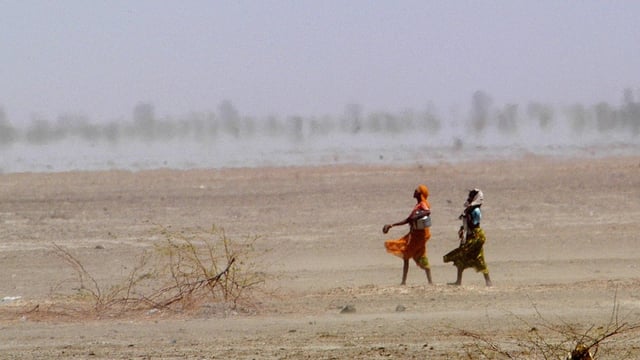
{"x": 283, "y": 58}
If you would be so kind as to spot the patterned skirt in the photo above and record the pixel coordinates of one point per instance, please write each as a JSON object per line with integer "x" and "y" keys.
{"x": 471, "y": 254}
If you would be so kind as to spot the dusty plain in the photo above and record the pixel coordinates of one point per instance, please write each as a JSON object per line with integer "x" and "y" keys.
{"x": 563, "y": 251}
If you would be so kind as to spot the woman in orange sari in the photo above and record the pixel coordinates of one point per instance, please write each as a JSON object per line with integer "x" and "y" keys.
{"x": 414, "y": 244}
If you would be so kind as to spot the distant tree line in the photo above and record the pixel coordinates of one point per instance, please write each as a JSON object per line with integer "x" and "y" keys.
{"x": 145, "y": 125}
{"x": 601, "y": 117}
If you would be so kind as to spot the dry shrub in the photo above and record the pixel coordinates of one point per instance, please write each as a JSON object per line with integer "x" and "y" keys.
{"x": 206, "y": 267}
{"x": 188, "y": 270}
{"x": 102, "y": 298}
{"x": 562, "y": 341}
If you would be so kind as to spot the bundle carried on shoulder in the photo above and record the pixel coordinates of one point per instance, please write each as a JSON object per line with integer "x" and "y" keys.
{"x": 421, "y": 220}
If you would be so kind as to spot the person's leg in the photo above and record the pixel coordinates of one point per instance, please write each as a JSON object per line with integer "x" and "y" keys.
{"x": 423, "y": 263}
{"x": 487, "y": 279}
{"x": 405, "y": 271}
{"x": 459, "y": 276}
{"x": 428, "y": 272}
{"x": 481, "y": 266}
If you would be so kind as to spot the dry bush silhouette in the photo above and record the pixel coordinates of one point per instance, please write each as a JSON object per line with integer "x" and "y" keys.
{"x": 564, "y": 341}
{"x": 187, "y": 270}
{"x": 105, "y": 298}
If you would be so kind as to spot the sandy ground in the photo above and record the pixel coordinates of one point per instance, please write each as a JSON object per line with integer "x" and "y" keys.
{"x": 562, "y": 250}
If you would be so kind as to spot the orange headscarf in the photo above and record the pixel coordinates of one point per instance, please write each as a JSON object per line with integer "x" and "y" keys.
{"x": 424, "y": 193}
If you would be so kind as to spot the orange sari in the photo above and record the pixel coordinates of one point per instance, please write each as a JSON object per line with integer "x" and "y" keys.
{"x": 414, "y": 244}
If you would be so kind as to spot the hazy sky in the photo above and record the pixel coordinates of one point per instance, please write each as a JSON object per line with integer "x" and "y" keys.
{"x": 101, "y": 58}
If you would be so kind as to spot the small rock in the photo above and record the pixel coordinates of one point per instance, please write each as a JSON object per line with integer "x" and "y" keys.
{"x": 400, "y": 308}
{"x": 348, "y": 309}
{"x": 10, "y": 298}
{"x": 152, "y": 311}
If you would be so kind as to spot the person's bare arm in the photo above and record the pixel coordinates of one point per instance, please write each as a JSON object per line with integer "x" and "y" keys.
{"x": 412, "y": 216}
{"x": 387, "y": 227}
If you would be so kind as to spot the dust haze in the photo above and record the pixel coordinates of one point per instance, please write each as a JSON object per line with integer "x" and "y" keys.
{"x": 225, "y": 137}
